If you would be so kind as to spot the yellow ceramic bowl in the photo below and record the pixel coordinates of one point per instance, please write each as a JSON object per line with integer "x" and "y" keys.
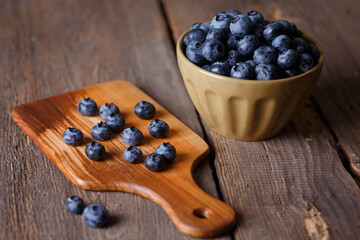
{"x": 245, "y": 109}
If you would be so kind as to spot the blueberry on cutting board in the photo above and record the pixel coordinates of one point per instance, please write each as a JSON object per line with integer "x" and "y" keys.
{"x": 132, "y": 136}
{"x": 155, "y": 162}
{"x": 95, "y": 151}
{"x": 158, "y": 128}
{"x": 73, "y": 136}
{"x": 145, "y": 110}
{"x": 87, "y": 107}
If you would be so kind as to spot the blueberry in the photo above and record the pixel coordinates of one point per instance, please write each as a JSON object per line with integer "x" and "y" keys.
{"x": 101, "y": 131}
{"x": 294, "y": 29}
{"x": 232, "y": 13}
{"x": 231, "y": 41}
{"x": 74, "y": 204}
{"x": 314, "y": 51}
{"x": 115, "y": 122}
{"x": 145, "y": 110}
{"x": 265, "y": 72}
{"x": 273, "y": 30}
{"x": 154, "y": 162}
{"x": 241, "y": 25}
{"x": 108, "y": 108}
{"x": 167, "y": 151}
{"x": 281, "y": 43}
{"x": 72, "y": 136}
{"x": 265, "y": 54}
{"x": 87, "y": 107}
{"x": 255, "y": 16}
{"x": 288, "y": 27}
{"x": 251, "y": 62}
{"x": 233, "y": 57}
{"x": 213, "y": 50}
{"x": 206, "y": 67}
{"x": 287, "y": 59}
{"x": 300, "y": 45}
{"x": 95, "y": 151}
{"x": 242, "y": 70}
{"x": 221, "y": 68}
{"x": 216, "y": 34}
{"x": 132, "y": 136}
{"x": 205, "y": 26}
{"x": 195, "y": 35}
{"x": 247, "y": 45}
{"x": 194, "y": 53}
{"x": 258, "y": 30}
{"x": 158, "y": 128}
{"x": 132, "y": 154}
{"x": 291, "y": 72}
{"x": 306, "y": 62}
{"x": 195, "y": 26}
{"x": 221, "y": 21}
{"x": 95, "y": 215}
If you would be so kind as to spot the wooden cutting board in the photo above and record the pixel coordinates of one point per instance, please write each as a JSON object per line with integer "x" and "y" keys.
{"x": 193, "y": 211}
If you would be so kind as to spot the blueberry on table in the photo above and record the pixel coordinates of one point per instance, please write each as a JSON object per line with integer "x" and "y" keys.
{"x": 233, "y": 57}
{"x": 216, "y": 34}
{"x": 306, "y": 62}
{"x": 145, "y": 110}
{"x": 132, "y": 136}
{"x": 242, "y": 70}
{"x": 158, "y": 128}
{"x": 74, "y": 204}
{"x": 256, "y": 17}
{"x": 167, "y": 151}
{"x": 95, "y": 151}
{"x": 221, "y": 21}
{"x": 213, "y": 50}
{"x": 265, "y": 72}
{"x": 195, "y": 35}
{"x": 221, "y": 68}
{"x": 247, "y": 45}
{"x": 300, "y": 45}
{"x": 95, "y": 215}
{"x": 241, "y": 25}
{"x": 72, "y": 136}
{"x": 272, "y": 30}
{"x": 281, "y": 43}
{"x": 101, "y": 131}
{"x": 87, "y": 107}
{"x": 108, "y": 108}
{"x": 265, "y": 54}
{"x": 132, "y": 154}
{"x": 287, "y": 59}
{"x": 155, "y": 162}
{"x": 115, "y": 122}
{"x": 232, "y": 13}
{"x": 194, "y": 52}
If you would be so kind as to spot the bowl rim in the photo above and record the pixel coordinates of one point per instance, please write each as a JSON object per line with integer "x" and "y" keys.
{"x": 319, "y": 64}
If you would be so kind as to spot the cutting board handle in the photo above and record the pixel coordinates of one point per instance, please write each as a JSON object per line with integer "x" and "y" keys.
{"x": 193, "y": 211}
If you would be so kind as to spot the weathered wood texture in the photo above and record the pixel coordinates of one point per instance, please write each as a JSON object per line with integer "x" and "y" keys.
{"x": 293, "y": 186}
{"x": 50, "y": 47}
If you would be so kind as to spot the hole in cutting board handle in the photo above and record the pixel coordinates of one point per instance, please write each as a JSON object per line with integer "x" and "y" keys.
{"x": 202, "y": 212}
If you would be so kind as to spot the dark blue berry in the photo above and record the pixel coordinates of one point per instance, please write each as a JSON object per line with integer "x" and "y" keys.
{"x": 221, "y": 68}
{"x": 241, "y": 25}
{"x": 158, "y": 128}
{"x": 132, "y": 154}
{"x": 251, "y": 62}
{"x": 132, "y": 136}
{"x": 206, "y": 67}
{"x": 233, "y": 57}
{"x": 265, "y": 54}
{"x": 232, "y": 41}
{"x": 115, "y": 122}
{"x": 273, "y": 30}
{"x": 74, "y": 204}
{"x": 145, "y": 110}
{"x": 194, "y": 53}
{"x": 101, "y": 131}
{"x": 288, "y": 27}
{"x": 213, "y": 50}
{"x": 281, "y": 43}
{"x": 232, "y": 13}
{"x": 87, "y": 107}
{"x": 72, "y": 136}
{"x": 291, "y": 72}
{"x": 221, "y": 21}
{"x": 255, "y": 16}
{"x": 167, "y": 151}
{"x": 205, "y": 26}
{"x": 287, "y": 59}
{"x": 155, "y": 162}
{"x": 242, "y": 70}
{"x": 108, "y": 108}
{"x": 265, "y": 72}
{"x": 95, "y": 215}
{"x": 257, "y": 30}
{"x": 306, "y": 62}
{"x": 95, "y": 151}
{"x": 314, "y": 51}
{"x": 300, "y": 45}
{"x": 195, "y": 35}
{"x": 195, "y": 26}
{"x": 216, "y": 34}
{"x": 247, "y": 45}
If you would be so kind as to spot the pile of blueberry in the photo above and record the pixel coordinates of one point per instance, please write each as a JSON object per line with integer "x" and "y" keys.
{"x": 93, "y": 215}
{"x": 132, "y": 136}
{"x": 247, "y": 47}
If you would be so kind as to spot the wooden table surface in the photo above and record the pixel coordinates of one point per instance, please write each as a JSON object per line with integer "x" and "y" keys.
{"x": 301, "y": 184}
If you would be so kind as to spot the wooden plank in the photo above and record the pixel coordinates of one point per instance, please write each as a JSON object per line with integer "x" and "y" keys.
{"x": 50, "y": 47}
{"x": 294, "y": 185}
